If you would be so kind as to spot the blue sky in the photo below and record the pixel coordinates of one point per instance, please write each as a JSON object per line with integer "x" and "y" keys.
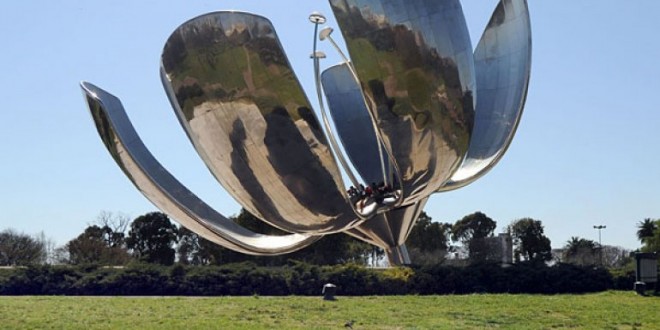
{"x": 587, "y": 150}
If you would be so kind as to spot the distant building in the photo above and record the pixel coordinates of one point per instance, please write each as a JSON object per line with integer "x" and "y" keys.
{"x": 497, "y": 249}
{"x": 500, "y": 249}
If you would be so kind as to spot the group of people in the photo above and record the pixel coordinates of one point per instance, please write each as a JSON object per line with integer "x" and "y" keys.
{"x": 380, "y": 193}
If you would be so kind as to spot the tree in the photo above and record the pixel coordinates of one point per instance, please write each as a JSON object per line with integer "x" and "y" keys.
{"x": 646, "y": 229}
{"x": 615, "y": 257}
{"x": 187, "y": 249}
{"x": 652, "y": 242}
{"x": 211, "y": 253}
{"x": 103, "y": 242}
{"x": 472, "y": 231}
{"x": 335, "y": 249}
{"x": 580, "y": 251}
{"x": 152, "y": 237}
{"x": 49, "y": 248}
{"x": 97, "y": 245}
{"x": 428, "y": 241}
{"x": 329, "y": 250}
{"x": 476, "y": 225}
{"x": 114, "y": 226}
{"x": 192, "y": 249}
{"x": 20, "y": 249}
{"x": 196, "y": 250}
{"x": 529, "y": 241}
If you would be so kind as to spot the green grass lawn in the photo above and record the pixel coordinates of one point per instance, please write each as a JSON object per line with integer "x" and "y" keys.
{"x": 610, "y": 310}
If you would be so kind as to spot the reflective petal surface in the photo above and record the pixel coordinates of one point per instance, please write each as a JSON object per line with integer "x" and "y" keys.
{"x": 353, "y": 123}
{"x": 246, "y": 114}
{"x": 168, "y": 194}
{"x": 503, "y": 62}
{"x": 415, "y": 63}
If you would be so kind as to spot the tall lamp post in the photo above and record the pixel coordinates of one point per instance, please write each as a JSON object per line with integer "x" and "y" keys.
{"x": 600, "y": 245}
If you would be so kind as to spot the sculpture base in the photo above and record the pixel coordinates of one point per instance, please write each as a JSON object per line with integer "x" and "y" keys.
{"x": 398, "y": 256}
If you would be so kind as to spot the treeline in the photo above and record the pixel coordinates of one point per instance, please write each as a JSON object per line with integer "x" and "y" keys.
{"x": 152, "y": 256}
{"x": 295, "y": 278}
{"x": 115, "y": 240}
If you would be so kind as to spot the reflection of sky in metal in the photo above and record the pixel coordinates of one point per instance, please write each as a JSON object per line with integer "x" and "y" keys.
{"x": 503, "y": 64}
{"x": 353, "y": 123}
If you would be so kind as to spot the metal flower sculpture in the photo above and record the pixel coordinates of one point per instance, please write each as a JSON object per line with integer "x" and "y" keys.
{"x": 415, "y": 112}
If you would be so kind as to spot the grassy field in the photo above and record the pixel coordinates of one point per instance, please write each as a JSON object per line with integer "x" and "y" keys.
{"x": 610, "y": 310}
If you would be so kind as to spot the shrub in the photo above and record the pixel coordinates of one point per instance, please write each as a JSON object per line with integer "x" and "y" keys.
{"x": 297, "y": 278}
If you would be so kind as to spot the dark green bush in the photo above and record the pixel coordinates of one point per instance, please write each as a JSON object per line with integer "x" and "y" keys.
{"x": 302, "y": 279}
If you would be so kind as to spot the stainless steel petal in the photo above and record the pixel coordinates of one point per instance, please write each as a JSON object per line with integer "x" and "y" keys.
{"x": 245, "y": 112}
{"x": 415, "y": 63}
{"x": 354, "y": 125}
{"x": 168, "y": 194}
{"x": 356, "y": 129}
{"x": 503, "y": 62}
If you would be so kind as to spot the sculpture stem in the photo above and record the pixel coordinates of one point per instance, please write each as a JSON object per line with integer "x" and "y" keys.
{"x": 316, "y": 56}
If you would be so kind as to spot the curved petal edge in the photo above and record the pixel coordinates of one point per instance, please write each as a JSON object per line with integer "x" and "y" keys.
{"x": 166, "y": 192}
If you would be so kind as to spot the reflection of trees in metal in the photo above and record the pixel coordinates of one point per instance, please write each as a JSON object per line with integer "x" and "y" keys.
{"x": 409, "y": 109}
{"x": 414, "y": 59}
{"x": 288, "y": 157}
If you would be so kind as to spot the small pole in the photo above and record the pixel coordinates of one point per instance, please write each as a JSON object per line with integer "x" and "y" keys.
{"x": 317, "y": 19}
{"x": 600, "y": 245}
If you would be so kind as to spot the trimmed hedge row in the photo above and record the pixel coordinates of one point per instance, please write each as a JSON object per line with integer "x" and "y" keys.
{"x": 305, "y": 280}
